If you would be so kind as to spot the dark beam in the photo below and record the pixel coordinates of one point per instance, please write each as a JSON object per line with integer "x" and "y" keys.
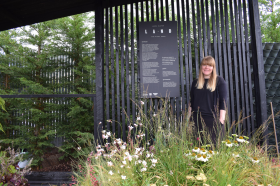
{"x": 99, "y": 64}
{"x": 258, "y": 66}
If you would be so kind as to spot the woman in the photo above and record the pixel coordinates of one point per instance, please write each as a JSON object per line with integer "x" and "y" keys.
{"x": 209, "y": 95}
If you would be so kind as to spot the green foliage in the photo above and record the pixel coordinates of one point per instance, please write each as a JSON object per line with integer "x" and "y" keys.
{"x": 270, "y": 20}
{"x": 2, "y": 105}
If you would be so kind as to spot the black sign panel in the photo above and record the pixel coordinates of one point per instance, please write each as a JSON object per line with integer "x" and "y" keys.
{"x": 159, "y": 66}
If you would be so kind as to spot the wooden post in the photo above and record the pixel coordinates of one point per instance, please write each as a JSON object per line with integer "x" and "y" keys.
{"x": 99, "y": 64}
{"x": 258, "y": 66}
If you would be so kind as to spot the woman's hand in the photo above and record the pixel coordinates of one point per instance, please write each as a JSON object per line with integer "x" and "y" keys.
{"x": 222, "y": 116}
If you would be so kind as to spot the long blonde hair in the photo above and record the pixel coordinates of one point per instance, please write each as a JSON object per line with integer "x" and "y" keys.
{"x": 211, "y": 85}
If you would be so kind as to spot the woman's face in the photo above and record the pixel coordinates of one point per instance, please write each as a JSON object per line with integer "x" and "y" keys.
{"x": 207, "y": 70}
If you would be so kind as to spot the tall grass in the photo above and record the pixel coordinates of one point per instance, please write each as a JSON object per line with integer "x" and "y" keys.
{"x": 176, "y": 155}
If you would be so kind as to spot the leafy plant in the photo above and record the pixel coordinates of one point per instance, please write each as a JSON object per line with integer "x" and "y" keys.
{"x": 2, "y": 105}
{"x": 10, "y": 173}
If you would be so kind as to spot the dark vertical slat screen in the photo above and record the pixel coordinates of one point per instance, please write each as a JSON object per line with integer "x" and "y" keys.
{"x": 226, "y": 38}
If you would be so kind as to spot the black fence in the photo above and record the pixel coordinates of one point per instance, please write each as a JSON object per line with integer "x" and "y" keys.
{"x": 229, "y": 24}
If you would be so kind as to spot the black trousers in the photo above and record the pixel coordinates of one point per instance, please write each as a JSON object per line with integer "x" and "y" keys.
{"x": 210, "y": 126}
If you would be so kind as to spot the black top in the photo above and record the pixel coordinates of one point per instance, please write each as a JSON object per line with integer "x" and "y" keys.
{"x": 205, "y": 101}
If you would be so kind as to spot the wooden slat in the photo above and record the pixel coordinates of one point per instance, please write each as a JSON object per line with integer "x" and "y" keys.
{"x": 112, "y": 71}
{"x": 152, "y": 10}
{"x": 199, "y": 31}
{"x": 214, "y": 35}
{"x": 147, "y": 10}
{"x": 248, "y": 69}
{"x": 132, "y": 63}
{"x": 107, "y": 67}
{"x": 208, "y": 30}
{"x": 127, "y": 68}
{"x": 219, "y": 57}
{"x": 224, "y": 55}
{"x": 189, "y": 43}
{"x": 237, "y": 97}
{"x": 203, "y": 28}
{"x": 180, "y": 60}
{"x": 244, "y": 63}
{"x": 187, "y": 86}
{"x": 122, "y": 75}
{"x": 231, "y": 111}
{"x": 157, "y": 11}
{"x": 237, "y": 17}
{"x": 118, "y": 71}
{"x": 195, "y": 41}
{"x": 161, "y": 10}
{"x": 167, "y": 10}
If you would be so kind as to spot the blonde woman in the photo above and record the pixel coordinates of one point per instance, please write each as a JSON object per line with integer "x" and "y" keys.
{"x": 208, "y": 96}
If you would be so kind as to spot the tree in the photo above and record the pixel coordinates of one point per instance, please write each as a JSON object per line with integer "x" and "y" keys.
{"x": 270, "y": 20}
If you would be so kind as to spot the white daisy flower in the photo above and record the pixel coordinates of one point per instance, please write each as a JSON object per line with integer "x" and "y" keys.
{"x": 240, "y": 139}
{"x": 255, "y": 160}
{"x": 229, "y": 144}
{"x": 123, "y": 177}
{"x": 196, "y": 149}
{"x": 111, "y": 172}
{"x": 202, "y": 151}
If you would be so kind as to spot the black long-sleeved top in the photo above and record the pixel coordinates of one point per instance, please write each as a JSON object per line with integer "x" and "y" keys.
{"x": 205, "y": 101}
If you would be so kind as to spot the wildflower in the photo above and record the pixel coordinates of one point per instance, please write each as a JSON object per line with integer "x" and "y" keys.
{"x": 196, "y": 149}
{"x": 204, "y": 184}
{"x": 228, "y": 143}
{"x": 123, "y": 177}
{"x": 122, "y": 166}
{"x": 255, "y": 160}
{"x": 229, "y": 185}
{"x": 111, "y": 172}
{"x": 126, "y": 153}
{"x": 190, "y": 178}
{"x": 142, "y": 102}
{"x": 140, "y": 124}
{"x": 235, "y": 143}
{"x": 202, "y": 151}
{"x": 241, "y": 139}
{"x": 153, "y": 185}
{"x": 142, "y": 135}
{"x": 79, "y": 148}
{"x": 136, "y": 156}
{"x": 155, "y": 115}
{"x": 129, "y": 158}
{"x": 110, "y": 121}
{"x": 103, "y": 131}
{"x": 197, "y": 138}
{"x": 123, "y": 147}
{"x": 135, "y": 125}
{"x": 124, "y": 162}
{"x": 139, "y": 161}
{"x": 98, "y": 147}
{"x": 153, "y": 165}
{"x": 100, "y": 150}
{"x": 138, "y": 118}
{"x": 110, "y": 163}
{"x": 154, "y": 161}
{"x": 144, "y": 163}
{"x": 105, "y": 136}
{"x": 171, "y": 173}
{"x": 246, "y": 142}
{"x": 143, "y": 169}
{"x": 130, "y": 128}
{"x": 108, "y": 134}
{"x": 148, "y": 155}
{"x": 235, "y": 135}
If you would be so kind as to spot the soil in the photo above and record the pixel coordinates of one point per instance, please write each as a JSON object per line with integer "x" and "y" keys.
{"x": 51, "y": 163}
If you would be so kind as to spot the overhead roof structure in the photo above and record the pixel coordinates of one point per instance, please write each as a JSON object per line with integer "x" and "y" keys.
{"x": 17, "y": 13}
